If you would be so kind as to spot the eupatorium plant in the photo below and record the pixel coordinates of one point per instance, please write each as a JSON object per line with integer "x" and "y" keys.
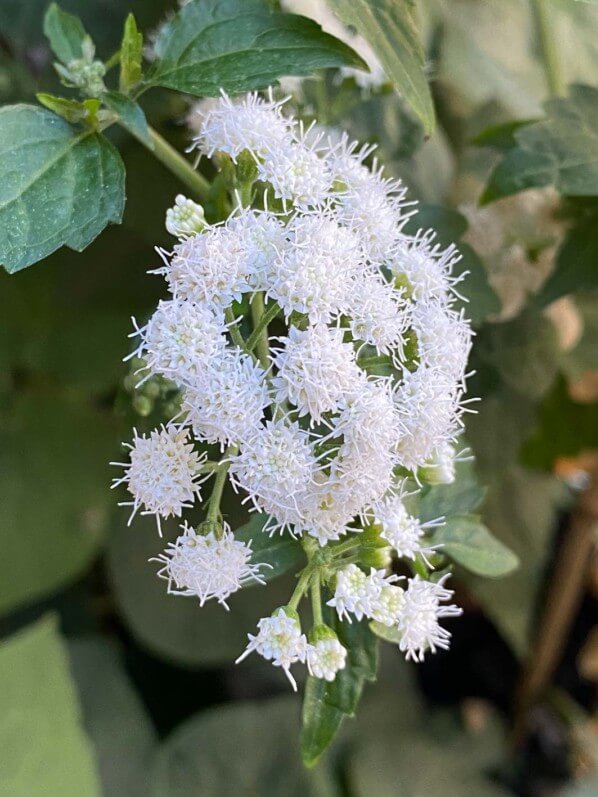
{"x": 318, "y": 346}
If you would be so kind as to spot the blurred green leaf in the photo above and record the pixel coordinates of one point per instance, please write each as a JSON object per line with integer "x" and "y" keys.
{"x": 467, "y": 541}
{"x": 240, "y": 750}
{"x": 65, "y": 33}
{"x": 177, "y": 628}
{"x": 576, "y": 264}
{"x": 114, "y": 717}
{"x": 131, "y": 55}
{"x": 131, "y": 116}
{"x": 390, "y": 28}
{"x": 240, "y": 45}
{"x": 54, "y": 497}
{"x": 45, "y": 752}
{"x": 564, "y": 428}
{"x": 280, "y": 551}
{"x": 502, "y": 136}
{"x": 41, "y": 156}
{"x": 561, "y": 150}
{"x": 450, "y": 225}
{"x": 326, "y": 704}
{"x": 443, "y": 500}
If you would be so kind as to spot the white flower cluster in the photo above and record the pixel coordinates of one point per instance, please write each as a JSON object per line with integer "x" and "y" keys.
{"x": 314, "y": 440}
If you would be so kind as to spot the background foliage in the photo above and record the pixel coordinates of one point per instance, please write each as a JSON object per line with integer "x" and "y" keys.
{"x": 101, "y": 674}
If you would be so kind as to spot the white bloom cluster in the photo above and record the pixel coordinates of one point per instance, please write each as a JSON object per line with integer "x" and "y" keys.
{"x": 315, "y": 436}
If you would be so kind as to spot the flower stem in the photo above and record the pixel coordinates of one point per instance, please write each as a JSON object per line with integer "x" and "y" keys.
{"x": 178, "y": 165}
{"x": 219, "y": 482}
{"x": 548, "y": 48}
{"x": 262, "y": 323}
{"x": 301, "y": 587}
{"x": 316, "y": 599}
{"x": 258, "y": 311}
{"x": 234, "y": 329}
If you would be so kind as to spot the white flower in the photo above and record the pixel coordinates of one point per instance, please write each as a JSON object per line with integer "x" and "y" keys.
{"x": 207, "y": 566}
{"x": 401, "y": 530}
{"x": 443, "y": 338}
{"x": 279, "y": 639}
{"x": 386, "y": 607}
{"x": 419, "y": 617}
{"x": 429, "y": 408}
{"x": 275, "y": 466}
{"x": 180, "y": 340}
{"x": 426, "y": 266}
{"x": 370, "y": 420}
{"x": 328, "y": 507}
{"x": 252, "y": 123}
{"x": 185, "y": 217}
{"x": 359, "y": 594}
{"x": 316, "y": 370}
{"x": 263, "y": 238}
{"x": 379, "y": 315}
{"x": 314, "y": 273}
{"x": 226, "y": 403}
{"x": 163, "y": 474}
{"x": 296, "y": 171}
{"x": 325, "y": 658}
{"x": 440, "y": 468}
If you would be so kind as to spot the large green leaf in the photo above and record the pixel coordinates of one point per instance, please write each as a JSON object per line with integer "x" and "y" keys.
{"x": 240, "y": 750}
{"x": 450, "y": 226}
{"x": 58, "y": 186}
{"x": 561, "y": 150}
{"x": 326, "y": 704}
{"x": 54, "y": 497}
{"x": 44, "y": 750}
{"x": 114, "y": 717}
{"x": 131, "y": 116}
{"x": 280, "y": 551}
{"x": 390, "y": 28}
{"x": 240, "y": 45}
{"x": 177, "y": 628}
{"x": 576, "y": 264}
{"x": 467, "y": 541}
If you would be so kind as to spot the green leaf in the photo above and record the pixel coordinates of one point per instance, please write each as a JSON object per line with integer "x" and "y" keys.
{"x": 244, "y": 749}
{"x": 114, "y": 717}
{"x": 501, "y": 137}
{"x": 326, "y": 704}
{"x": 280, "y": 551}
{"x": 71, "y": 110}
{"x": 450, "y": 226}
{"x": 42, "y": 157}
{"x": 576, "y": 264}
{"x": 239, "y": 45}
{"x": 469, "y": 543}
{"x": 461, "y": 497}
{"x": 131, "y": 116}
{"x": 177, "y": 628}
{"x": 391, "y": 30}
{"x": 45, "y": 751}
{"x": 65, "y": 33}
{"x": 564, "y": 428}
{"x": 387, "y": 633}
{"x": 561, "y": 150}
{"x": 131, "y": 55}
{"x": 54, "y": 500}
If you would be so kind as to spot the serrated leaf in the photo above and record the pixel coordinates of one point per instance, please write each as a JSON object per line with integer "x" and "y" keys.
{"x": 130, "y": 115}
{"x": 390, "y": 28}
{"x": 561, "y": 150}
{"x": 65, "y": 33}
{"x": 131, "y": 55}
{"x": 280, "y": 551}
{"x": 576, "y": 264}
{"x": 450, "y": 226}
{"x": 467, "y": 541}
{"x": 45, "y": 749}
{"x": 58, "y": 186}
{"x": 240, "y": 45}
{"x": 326, "y": 704}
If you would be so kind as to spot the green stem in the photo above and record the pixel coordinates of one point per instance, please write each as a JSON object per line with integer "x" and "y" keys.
{"x": 345, "y": 546}
{"x": 316, "y": 599}
{"x": 548, "y": 48}
{"x": 258, "y": 311}
{"x": 264, "y": 320}
{"x": 300, "y": 588}
{"x": 419, "y": 568}
{"x": 178, "y": 165}
{"x": 234, "y": 329}
{"x": 219, "y": 482}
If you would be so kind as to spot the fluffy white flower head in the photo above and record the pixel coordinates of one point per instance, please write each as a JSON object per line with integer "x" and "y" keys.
{"x": 325, "y": 658}
{"x": 443, "y": 338}
{"x": 163, "y": 473}
{"x": 419, "y": 617}
{"x": 185, "y": 217}
{"x": 426, "y": 266}
{"x": 207, "y": 566}
{"x": 401, "y": 530}
{"x": 379, "y": 315}
{"x": 296, "y": 172}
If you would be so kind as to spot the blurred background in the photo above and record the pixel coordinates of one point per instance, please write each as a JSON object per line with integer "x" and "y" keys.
{"x": 135, "y": 691}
